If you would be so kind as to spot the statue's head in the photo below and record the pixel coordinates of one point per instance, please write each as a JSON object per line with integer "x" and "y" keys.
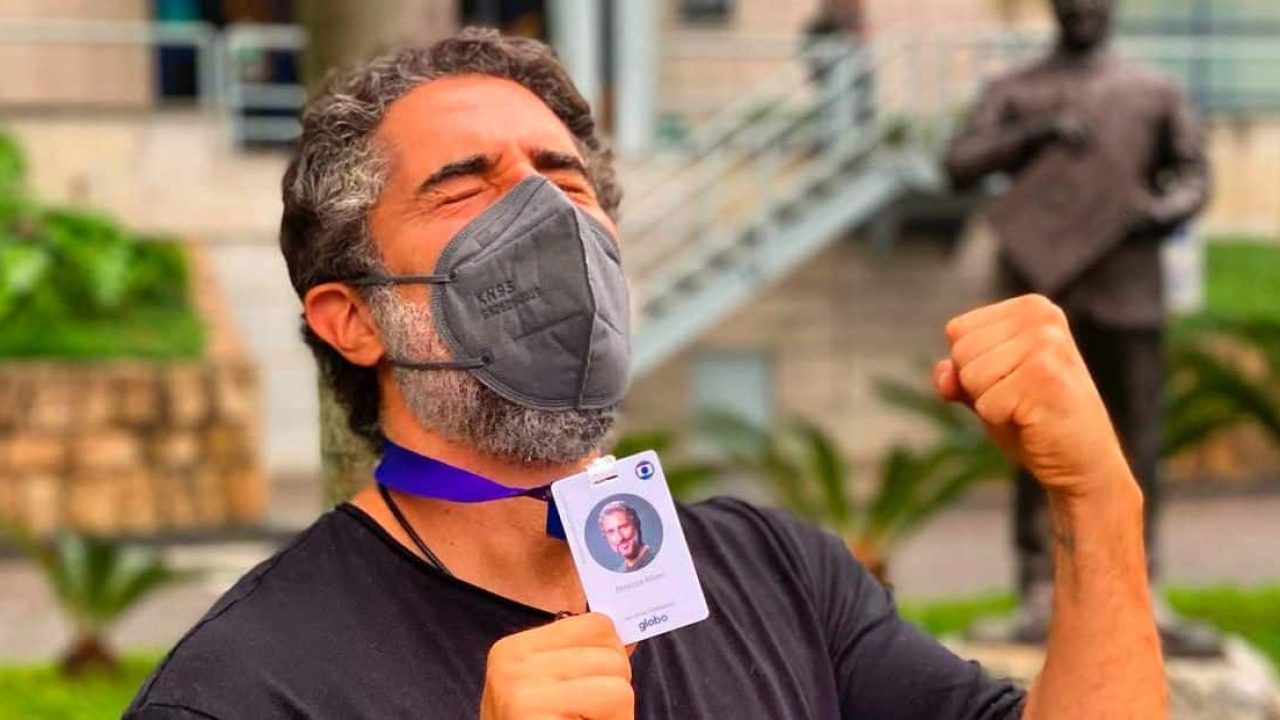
{"x": 1083, "y": 24}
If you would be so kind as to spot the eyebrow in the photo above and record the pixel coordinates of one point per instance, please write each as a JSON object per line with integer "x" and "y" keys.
{"x": 474, "y": 165}
{"x": 546, "y": 160}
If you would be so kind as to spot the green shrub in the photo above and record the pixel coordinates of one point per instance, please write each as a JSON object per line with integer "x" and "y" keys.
{"x": 76, "y": 284}
{"x": 1242, "y": 279}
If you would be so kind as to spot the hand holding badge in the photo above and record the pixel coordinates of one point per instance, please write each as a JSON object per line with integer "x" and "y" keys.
{"x": 622, "y": 528}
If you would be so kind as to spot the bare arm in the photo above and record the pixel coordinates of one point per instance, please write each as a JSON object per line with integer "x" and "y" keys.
{"x": 1017, "y": 366}
{"x": 1103, "y": 658}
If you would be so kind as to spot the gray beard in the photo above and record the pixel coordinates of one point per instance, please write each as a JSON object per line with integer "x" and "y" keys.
{"x": 459, "y": 407}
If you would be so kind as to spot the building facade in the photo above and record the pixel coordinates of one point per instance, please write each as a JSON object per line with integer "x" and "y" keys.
{"x": 111, "y": 122}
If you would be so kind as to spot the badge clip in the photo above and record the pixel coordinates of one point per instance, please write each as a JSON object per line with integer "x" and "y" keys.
{"x": 601, "y": 470}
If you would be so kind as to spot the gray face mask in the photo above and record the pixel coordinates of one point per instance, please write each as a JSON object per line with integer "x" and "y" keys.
{"x": 531, "y": 299}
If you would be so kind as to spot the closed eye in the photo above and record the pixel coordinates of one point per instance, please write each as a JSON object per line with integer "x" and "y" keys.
{"x": 458, "y": 197}
{"x": 570, "y": 187}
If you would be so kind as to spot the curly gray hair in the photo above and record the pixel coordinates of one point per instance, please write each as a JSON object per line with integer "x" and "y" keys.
{"x": 338, "y": 172}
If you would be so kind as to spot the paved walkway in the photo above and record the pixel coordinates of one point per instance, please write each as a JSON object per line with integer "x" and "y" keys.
{"x": 1210, "y": 541}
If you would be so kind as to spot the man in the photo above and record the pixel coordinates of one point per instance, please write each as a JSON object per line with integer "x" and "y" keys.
{"x": 1107, "y": 160}
{"x": 467, "y": 180}
{"x": 620, "y": 526}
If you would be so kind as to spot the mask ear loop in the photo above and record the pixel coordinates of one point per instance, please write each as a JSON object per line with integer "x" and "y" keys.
{"x": 376, "y": 280}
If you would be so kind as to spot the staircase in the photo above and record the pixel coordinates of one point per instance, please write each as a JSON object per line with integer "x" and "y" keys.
{"x": 765, "y": 186}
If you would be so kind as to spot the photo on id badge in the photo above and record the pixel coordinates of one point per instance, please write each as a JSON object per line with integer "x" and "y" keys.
{"x": 629, "y": 549}
{"x": 623, "y": 533}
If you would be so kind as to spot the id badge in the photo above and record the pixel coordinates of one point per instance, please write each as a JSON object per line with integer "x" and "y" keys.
{"x": 621, "y": 526}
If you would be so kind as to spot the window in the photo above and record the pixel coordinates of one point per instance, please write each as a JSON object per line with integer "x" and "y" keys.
{"x": 1223, "y": 51}
{"x": 739, "y": 382}
{"x": 706, "y": 11}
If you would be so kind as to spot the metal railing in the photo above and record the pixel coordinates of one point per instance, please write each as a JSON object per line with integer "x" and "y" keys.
{"x": 739, "y": 168}
{"x": 224, "y": 83}
{"x": 1227, "y": 74}
{"x": 764, "y": 147}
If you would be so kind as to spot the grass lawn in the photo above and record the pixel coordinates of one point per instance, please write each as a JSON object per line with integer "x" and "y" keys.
{"x": 1254, "y": 614}
{"x": 1242, "y": 279}
{"x": 36, "y": 692}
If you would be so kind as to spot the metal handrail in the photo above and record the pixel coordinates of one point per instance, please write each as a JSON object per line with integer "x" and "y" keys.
{"x": 936, "y": 76}
{"x": 753, "y": 133}
{"x": 727, "y": 123}
{"x": 760, "y": 139}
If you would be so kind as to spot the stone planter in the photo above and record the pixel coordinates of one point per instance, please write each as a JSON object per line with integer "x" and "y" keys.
{"x": 1241, "y": 685}
{"x": 134, "y": 447}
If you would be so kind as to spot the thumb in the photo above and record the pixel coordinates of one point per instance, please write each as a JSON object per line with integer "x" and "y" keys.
{"x": 947, "y": 382}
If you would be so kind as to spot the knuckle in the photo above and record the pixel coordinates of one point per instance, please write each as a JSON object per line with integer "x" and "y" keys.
{"x": 1050, "y": 335}
{"x": 953, "y": 329}
{"x": 1048, "y": 370}
{"x": 1044, "y": 308}
{"x": 963, "y": 349}
{"x": 622, "y": 691}
{"x": 982, "y": 406}
{"x": 989, "y": 409}
{"x": 1032, "y": 301}
{"x": 623, "y": 668}
{"x": 599, "y": 623}
{"x": 521, "y": 699}
{"x": 968, "y": 377}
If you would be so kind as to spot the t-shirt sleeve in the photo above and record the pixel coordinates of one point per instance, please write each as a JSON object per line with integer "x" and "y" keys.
{"x": 885, "y": 666}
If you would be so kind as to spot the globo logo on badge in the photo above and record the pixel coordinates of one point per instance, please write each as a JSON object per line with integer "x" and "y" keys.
{"x": 652, "y": 621}
{"x": 644, "y": 470}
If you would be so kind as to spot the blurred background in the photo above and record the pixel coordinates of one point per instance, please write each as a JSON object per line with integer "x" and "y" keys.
{"x": 794, "y": 251}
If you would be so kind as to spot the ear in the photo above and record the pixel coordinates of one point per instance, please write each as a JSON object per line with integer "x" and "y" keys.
{"x": 340, "y": 317}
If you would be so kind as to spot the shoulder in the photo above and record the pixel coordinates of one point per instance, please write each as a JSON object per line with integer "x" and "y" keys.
{"x": 731, "y": 532}
{"x": 1148, "y": 78}
{"x": 1023, "y": 74}
{"x": 728, "y": 514}
{"x": 225, "y": 665}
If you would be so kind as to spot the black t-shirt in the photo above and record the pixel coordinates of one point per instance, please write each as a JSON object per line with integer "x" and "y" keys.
{"x": 346, "y": 623}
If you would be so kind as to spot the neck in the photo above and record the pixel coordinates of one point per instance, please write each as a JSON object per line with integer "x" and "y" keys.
{"x": 501, "y": 546}
{"x": 511, "y": 473}
{"x": 1079, "y": 56}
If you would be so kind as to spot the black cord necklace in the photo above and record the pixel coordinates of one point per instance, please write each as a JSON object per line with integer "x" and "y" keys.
{"x": 422, "y": 546}
{"x": 408, "y": 529}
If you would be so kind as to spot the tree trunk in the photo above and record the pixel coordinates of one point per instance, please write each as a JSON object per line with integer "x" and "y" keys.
{"x": 87, "y": 654}
{"x": 871, "y": 559}
{"x": 345, "y": 31}
{"x": 342, "y": 32}
{"x": 346, "y": 461}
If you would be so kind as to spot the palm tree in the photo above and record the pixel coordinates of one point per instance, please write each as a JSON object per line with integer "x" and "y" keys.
{"x": 805, "y": 470}
{"x": 95, "y": 582}
{"x": 1222, "y": 373}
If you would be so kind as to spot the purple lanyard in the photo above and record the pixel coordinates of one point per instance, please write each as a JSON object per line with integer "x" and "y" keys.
{"x": 407, "y": 471}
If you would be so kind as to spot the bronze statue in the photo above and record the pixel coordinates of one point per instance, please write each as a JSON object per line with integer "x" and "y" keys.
{"x": 1106, "y": 158}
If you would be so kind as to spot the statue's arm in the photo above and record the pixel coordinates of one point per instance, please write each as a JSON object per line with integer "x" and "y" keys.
{"x": 993, "y": 140}
{"x": 1182, "y": 168}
